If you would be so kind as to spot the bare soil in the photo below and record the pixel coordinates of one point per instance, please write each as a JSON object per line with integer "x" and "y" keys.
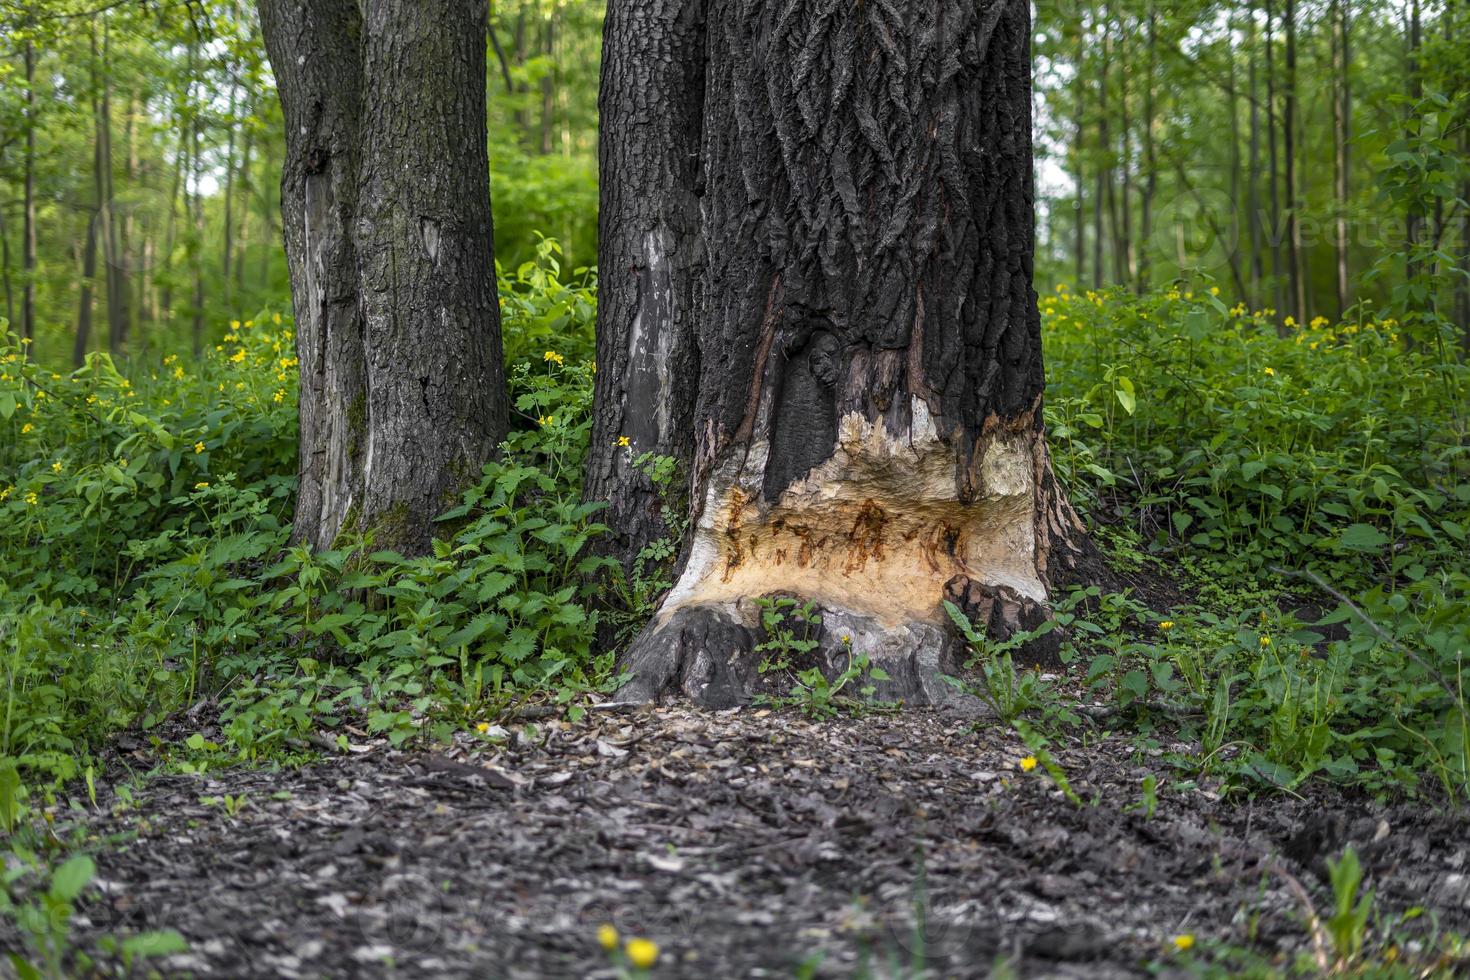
{"x": 745, "y": 843}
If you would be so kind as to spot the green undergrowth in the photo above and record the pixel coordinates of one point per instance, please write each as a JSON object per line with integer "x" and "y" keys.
{"x": 1306, "y": 489}
{"x": 146, "y": 563}
{"x": 1306, "y": 492}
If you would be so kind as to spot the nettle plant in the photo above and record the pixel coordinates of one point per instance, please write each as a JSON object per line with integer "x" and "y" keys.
{"x": 1327, "y": 460}
{"x": 146, "y": 560}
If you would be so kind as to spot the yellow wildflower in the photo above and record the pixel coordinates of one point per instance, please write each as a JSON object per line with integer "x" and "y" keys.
{"x": 276, "y": 319}
{"x": 552, "y": 355}
{"x": 5, "y": 494}
{"x": 1028, "y": 763}
{"x": 607, "y": 936}
{"x": 1265, "y": 641}
{"x": 179, "y": 373}
{"x": 198, "y": 448}
{"x": 32, "y": 498}
{"x": 482, "y": 727}
{"x": 238, "y": 356}
{"x": 1166, "y": 625}
{"x": 27, "y": 428}
{"x": 234, "y": 324}
{"x": 201, "y": 486}
{"x": 56, "y": 467}
{"x": 1214, "y": 290}
{"x": 279, "y": 396}
{"x": 642, "y": 953}
{"x": 1291, "y": 321}
{"x": 1183, "y": 942}
{"x": 546, "y": 420}
{"x": 623, "y": 442}
{"x": 1271, "y": 371}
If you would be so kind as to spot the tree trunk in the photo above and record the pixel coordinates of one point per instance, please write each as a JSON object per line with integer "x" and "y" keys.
{"x": 84, "y": 304}
{"x": 314, "y": 53}
{"x": 28, "y": 231}
{"x": 232, "y": 123}
{"x": 89, "y": 259}
{"x": 1253, "y": 190}
{"x": 868, "y": 418}
{"x": 1342, "y": 136}
{"x": 1232, "y": 108}
{"x": 182, "y": 115}
{"x": 1105, "y": 140}
{"x": 1150, "y": 158}
{"x": 196, "y": 253}
{"x": 5, "y": 269}
{"x": 1100, "y": 177}
{"x": 1277, "y": 237}
{"x": 548, "y": 81}
{"x": 436, "y": 406}
{"x": 118, "y": 304}
{"x": 1415, "y": 230}
{"x": 247, "y": 191}
{"x": 1079, "y": 128}
{"x": 1295, "y": 262}
{"x": 385, "y": 202}
{"x": 650, "y": 255}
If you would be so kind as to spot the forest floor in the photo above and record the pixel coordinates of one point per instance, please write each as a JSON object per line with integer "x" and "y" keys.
{"x": 745, "y": 843}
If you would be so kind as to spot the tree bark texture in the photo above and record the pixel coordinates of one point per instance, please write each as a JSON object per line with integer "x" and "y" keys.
{"x": 650, "y": 257}
{"x": 28, "y": 230}
{"x": 867, "y": 421}
{"x": 386, "y": 214}
{"x": 436, "y": 406}
{"x": 313, "y": 48}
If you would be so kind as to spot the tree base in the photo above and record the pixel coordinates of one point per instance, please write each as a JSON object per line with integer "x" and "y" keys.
{"x": 879, "y": 537}
{"x": 708, "y": 654}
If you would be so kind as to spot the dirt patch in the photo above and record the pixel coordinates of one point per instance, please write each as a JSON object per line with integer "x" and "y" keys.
{"x": 744, "y": 843}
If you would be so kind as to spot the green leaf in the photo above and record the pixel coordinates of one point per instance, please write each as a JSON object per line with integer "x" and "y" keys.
{"x": 69, "y": 879}
{"x": 1126, "y": 396}
{"x": 162, "y": 943}
{"x": 1362, "y": 537}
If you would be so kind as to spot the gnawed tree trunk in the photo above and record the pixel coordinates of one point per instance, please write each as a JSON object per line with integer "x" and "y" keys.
{"x": 868, "y": 418}
{"x": 386, "y": 209}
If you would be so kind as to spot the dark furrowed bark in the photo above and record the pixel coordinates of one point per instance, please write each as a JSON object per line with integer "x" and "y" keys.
{"x": 314, "y": 52}
{"x": 869, "y": 212}
{"x": 650, "y": 253}
{"x": 867, "y": 424}
{"x": 436, "y": 404}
